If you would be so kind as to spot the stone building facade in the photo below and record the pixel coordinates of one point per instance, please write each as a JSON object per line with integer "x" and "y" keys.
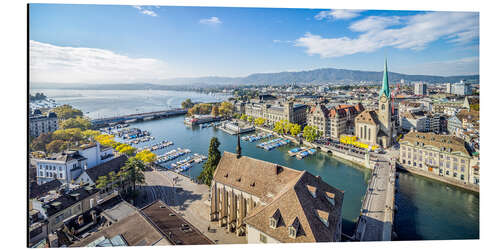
{"x": 441, "y": 155}
{"x": 294, "y": 113}
{"x": 40, "y": 124}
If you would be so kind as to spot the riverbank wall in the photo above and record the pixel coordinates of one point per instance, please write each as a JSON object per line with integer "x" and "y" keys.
{"x": 468, "y": 187}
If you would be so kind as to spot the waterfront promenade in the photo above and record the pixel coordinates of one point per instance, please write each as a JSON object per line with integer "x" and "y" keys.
{"x": 377, "y": 211}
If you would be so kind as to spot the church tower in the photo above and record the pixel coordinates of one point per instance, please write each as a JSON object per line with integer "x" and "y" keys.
{"x": 384, "y": 106}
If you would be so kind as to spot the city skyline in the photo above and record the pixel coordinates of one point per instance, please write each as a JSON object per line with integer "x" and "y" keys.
{"x": 235, "y": 42}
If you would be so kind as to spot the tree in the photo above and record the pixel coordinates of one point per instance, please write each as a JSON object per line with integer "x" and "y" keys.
{"x": 102, "y": 183}
{"x": 113, "y": 179}
{"x": 146, "y": 156}
{"x": 187, "y": 104}
{"x": 226, "y": 109}
{"x": 39, "y": 143}
{"x": 134, "y": 169}
{"x": 243, "y": 117}
{"x": 295, "y": 129}
{"x": 78, "y": 122}
{"x": 56, "y": 146}
{"x": 249, "y": 119}
{"x": 260, "y": 121}
{"x": 90, "y": 134}
{"x": 215, "y": 111}
{"x": 210, "y": 165}
{"x": 310, "y": 133}
{"x": 67, "y": 111}
{"x": 278, "y": 127}
{"x": 286, "y": 126}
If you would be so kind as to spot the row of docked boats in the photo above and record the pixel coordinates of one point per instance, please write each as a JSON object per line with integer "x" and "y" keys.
{"x": 259, "y": 136}
{"x": 274, "y": 143}
{"x": 301, "y": 152}
{"x": 141, "y": 140}
{"x": 186, "y": 163}
{"x": 212, "y": 124}
{"x": 158, "y": 146}
{"x": 172, "y": 154}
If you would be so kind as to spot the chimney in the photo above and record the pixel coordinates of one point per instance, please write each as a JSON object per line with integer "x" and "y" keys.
{"x": 238, "y": 147}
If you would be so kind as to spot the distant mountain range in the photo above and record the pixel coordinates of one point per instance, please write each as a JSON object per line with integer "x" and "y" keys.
{"x": 318, "y": 76}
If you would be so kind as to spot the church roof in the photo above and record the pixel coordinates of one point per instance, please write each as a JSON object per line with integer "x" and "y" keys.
{"x": 385, "y": 83}
{"x": 368, "y": 116}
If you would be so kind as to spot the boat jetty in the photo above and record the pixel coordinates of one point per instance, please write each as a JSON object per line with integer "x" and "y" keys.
{"x": 274, "y": 143}
{"x": 158, "y": 146}
{"x": 140, "y": 140}
{"x": 303, "y": 154}
{"x": 186, "y": 163}
{"x": 172, "y": 154}
{"x": 259, "y": 136}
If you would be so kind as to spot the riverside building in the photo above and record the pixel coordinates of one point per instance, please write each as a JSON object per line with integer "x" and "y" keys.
{"x": 294, "y": 113}
{"x": 444, "y": 156}
{"x": 334, "y": 121}
{"x": 270, "y": 203}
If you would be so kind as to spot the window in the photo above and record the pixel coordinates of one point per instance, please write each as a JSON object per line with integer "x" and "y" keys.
{"x": 447, "y": 172}
{"x": 272, "y": 223}
{"x": 263, "y": 238}
{"x": 462, "y": 177}
{"x": 292, "y": 233}
{"x": 454, "y": 174}
{"x": 462, "y": 161}
{"x": 455, "y": 167}
{"x": 441, "y": 164}
{"x": 447, "y": 164}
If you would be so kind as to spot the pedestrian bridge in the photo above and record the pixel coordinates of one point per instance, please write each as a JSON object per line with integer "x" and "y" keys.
{"x": 137, "y": 117}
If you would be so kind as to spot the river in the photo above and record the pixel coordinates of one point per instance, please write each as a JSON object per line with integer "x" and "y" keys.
{"x": 428, "y": 209}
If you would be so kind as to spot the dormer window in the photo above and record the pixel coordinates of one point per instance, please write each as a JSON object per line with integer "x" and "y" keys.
{"x": 312, "y": 190}
{"x": 294, "y": 228}
{"x": 274, "y": 220}
{"x": 292, "y": 233}
{"x": 330, "y": 197}
{"x": 323, "y": 216}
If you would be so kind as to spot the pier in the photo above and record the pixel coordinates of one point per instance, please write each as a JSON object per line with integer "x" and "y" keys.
{"x": 101, "y": 122}
{"x": 376, "y": 220}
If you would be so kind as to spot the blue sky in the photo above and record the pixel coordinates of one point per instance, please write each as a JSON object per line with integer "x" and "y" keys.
{"x": 110, "y": 43}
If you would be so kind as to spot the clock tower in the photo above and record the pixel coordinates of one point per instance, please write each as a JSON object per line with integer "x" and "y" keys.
{"x": 384, "y": 107}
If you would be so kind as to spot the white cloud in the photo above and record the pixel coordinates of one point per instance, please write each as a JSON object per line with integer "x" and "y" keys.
{"x": 462, "y": 66}
{"x": 57, "y": 64}
{"x": 337, "y": 14}
{"x": 211, "y": 20}
{"x": 146, "y": 10}
{"x": 416, "y": 33}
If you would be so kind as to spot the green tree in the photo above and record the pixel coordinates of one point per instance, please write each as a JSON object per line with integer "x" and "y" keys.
{"x": 67, "y": 111}
{"x": 78, "y": 122}
{"x": 286, "y": 126}
{"x": 56, "y": 146}
{"x": 260, "y": 121}
{"x": 134, "y": 169}
{"x": 187, "y": 104}
{"x": 249, "y": 119}
{"x": 278, "y": 127}
{"x": 102, "y": 183}
{"x": 295, "y": 129}
{"x": 210, "y": 165}
{"x": 243, "y": 117}
{"x": 310, "y": 133}
{"x": 113, "y": 179}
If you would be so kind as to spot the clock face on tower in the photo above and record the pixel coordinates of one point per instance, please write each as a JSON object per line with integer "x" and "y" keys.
{"x": 383, "y": 98}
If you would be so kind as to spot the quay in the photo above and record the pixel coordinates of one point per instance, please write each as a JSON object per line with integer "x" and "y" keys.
{"x": 102, "y": 122}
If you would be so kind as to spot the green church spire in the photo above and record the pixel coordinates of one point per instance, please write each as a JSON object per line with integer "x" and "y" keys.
{"x": 385, "y": 83}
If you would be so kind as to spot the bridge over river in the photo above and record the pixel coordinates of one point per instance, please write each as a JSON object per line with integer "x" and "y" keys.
{"x": 101, "y": 122}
